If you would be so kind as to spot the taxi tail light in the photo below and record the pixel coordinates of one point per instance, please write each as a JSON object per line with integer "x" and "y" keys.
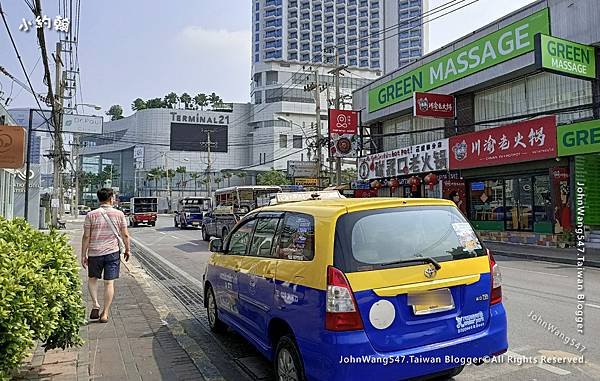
{"x": 496, "y": 294}
{"x": 341, "y": 312}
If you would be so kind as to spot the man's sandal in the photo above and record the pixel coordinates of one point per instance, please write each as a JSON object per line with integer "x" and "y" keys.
{"x": 95, "y": 313}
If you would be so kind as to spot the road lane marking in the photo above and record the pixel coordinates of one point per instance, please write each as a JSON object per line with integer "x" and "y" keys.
{"x": 162, "y": 232}
{"x": 173, "y": 236}
{"x": 179, "y": 271}
{"x": 549, "y": 368}
{"x": 592, "y": 305}
{"x": 531, "y": 271}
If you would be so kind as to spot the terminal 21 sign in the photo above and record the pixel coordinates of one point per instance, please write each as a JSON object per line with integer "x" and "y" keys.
{"x": 420, "y": 158}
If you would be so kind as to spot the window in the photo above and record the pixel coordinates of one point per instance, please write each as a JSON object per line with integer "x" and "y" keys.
{"x": 282, "y": 141}
{"x": 487, "y": 200}
{"x": 240, "y": 238}
{"x": 297, "y": 238}
{"x": 297, "y": 141}
{"x": 257, "y": 26}
{"x": 258, "y": 97}
{"x": 264, "y": 235}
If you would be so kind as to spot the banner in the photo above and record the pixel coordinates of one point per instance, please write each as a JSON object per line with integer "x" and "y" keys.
{"x": 579, "y": 138}
{"x": 420, "y": 158}
{"x": 343, "y": 133}
{"x": 497, "y": 47}
{"x": 433, "y": 105}
{"x": 12, "y": 147}
{"x": 514, "y": 143}
{"x": 296, "y": 168}
{"x": 84, "y": 124}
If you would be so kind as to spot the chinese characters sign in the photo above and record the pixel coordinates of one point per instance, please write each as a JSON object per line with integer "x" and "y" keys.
{"x": 421, "y": 158}
{"x": 343, "y": 129}
{"x": 60, "y": 24}
{"x": 433, "y": 105}
{"x": 524, "y": 141}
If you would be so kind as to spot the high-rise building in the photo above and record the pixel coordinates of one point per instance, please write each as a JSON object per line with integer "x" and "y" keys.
{"x": 290, "y": 40}
{"x": 406, "y": 34}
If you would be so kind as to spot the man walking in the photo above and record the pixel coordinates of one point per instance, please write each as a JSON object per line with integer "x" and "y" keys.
{"x": 104, "y": 235}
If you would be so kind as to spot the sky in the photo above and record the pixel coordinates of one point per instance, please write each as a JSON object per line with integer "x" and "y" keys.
{"x": 148, "y": 48}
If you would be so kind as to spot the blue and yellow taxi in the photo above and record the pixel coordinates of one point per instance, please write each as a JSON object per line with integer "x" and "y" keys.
{"x": 359, "y": 289}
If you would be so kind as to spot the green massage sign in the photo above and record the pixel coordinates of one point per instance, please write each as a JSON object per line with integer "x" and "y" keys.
{"x": 502, "y": 45}
{"x": 565, "y": 57}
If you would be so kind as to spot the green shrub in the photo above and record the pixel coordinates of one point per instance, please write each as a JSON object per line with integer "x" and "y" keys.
{"x": 40, "y": 292}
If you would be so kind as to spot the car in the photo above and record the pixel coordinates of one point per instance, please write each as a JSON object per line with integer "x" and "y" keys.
{"x": 190, "y": 212}
{"x": 83, "y": 209}
{"x": 358, "y": 289}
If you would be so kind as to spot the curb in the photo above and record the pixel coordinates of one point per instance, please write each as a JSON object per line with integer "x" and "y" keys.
{"x": 568, "y": 261}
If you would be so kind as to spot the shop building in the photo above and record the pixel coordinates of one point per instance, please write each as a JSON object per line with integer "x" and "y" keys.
{"x": 516, "y": 83}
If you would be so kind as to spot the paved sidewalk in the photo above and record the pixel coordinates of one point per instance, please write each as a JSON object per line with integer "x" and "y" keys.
{"x": 550, "y": 254}
{"x": 134, "y": 345}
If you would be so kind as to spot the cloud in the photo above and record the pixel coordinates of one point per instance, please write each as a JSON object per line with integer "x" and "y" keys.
{"x": 215, "y": 60}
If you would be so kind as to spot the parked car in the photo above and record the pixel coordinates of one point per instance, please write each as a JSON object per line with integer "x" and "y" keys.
{"x": 314, "y": 284}
{"x": 83, "y": 209}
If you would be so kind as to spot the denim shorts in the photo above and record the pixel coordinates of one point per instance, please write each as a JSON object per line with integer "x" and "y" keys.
{"x": 109, "y": 264}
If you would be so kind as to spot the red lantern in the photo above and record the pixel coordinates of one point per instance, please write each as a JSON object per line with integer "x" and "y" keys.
{"x": 376, "y": 184}
{"x": 414, "y": 183}
{"x": 431, "y": 179}
{"x": 394, "y": 184}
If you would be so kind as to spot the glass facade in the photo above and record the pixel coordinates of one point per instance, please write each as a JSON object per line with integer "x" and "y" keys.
{"x": 411, "y": 33}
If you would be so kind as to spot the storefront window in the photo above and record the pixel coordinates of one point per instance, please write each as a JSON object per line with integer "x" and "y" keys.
{"x": 542, "y": 199}
{"x": 519, "y": 204}
{"x": 487, "y": 200}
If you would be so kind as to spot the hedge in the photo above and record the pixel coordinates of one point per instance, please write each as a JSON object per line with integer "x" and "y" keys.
{"x": 40, "y": 293}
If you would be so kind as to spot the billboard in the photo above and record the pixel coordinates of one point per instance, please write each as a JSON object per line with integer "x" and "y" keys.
{"x": 343, "y": 133}
{"x": 194, "y": 137}
{"x": 307, "y": 169}
{"x": 12, "y": 147}
{"x": 433, "y": 105}
{"x": 565, "y": 57}
{"x": 82, "y": 124}
{"x": 514, "y": 143}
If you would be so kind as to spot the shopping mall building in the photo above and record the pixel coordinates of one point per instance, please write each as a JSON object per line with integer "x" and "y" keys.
{"x": 524, "y": 143}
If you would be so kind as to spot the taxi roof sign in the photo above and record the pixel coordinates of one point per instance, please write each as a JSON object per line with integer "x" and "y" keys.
{"x": 287, "y": 197}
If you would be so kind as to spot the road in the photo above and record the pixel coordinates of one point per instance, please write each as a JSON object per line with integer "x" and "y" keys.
{"x": 531, "y": 290}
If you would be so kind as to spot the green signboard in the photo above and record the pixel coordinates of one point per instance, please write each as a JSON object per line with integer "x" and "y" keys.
{"x": 587, "y": 168}
{"x": 579, "y": 138}
{"x": 511, "y": 41}
{"x": 565, "y": 57}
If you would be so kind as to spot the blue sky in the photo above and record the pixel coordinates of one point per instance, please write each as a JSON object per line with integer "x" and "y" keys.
{"x": 136, "y": 48}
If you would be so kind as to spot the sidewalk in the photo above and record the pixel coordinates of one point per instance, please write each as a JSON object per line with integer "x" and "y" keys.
{"x": 134, "y": 345}
{"x": 550, "y": 254}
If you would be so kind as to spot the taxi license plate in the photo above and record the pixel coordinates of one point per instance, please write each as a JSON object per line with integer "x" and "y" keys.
{"x": 429, "y": 302}
{"x": 195, "y": 223}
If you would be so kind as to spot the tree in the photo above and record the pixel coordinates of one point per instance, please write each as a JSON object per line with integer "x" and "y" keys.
{"x": 155, "y": 103}
{"x": 241, "y": 175}
{"x": 171, "y": 100}
{"x": 138, "y": 104}
{"x": 115, "y": 112}
{"x": 273, "y": 177}
{"x": 195, "y": 176}
{"x": 155, "y": 174}
{"x": 227, "y": 175}
{"x": 218, "y": 181}
{"x": 170, "y": 174}
{"x": 181, "y": 170}
{"x": 186, "y": 99}
{"x": 348, "y": 175}
{"x": 214, "y": 100}
{"x": 201, "y": 101}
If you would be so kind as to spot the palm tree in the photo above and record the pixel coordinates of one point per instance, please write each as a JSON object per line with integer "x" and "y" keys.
{"x": 186, "y": 100}
{"x": 227, "y": 175}
{"x": 218, "y": 181}
{"x": 242, "y": 176}
{"x": 214, "y": 100}
{"x": 156, "y": 103}
{"x": 138, "y": 104}
{"x": 181, "y": 170}
{"x": 154, "y": 174}
{"x": 195, "y": 176}
{"x": 171, "y": 100}
{"x": 201, "y": 101}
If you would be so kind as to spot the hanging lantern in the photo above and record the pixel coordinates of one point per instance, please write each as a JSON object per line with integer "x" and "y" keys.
{"x": 431, "y": 179}
{"x": 394, "y": 184}
{"x": 414, "y": 183}
{"x": 376, "y": 184}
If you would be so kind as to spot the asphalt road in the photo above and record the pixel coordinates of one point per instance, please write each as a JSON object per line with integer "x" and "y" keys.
{"x": 544, "y": 291}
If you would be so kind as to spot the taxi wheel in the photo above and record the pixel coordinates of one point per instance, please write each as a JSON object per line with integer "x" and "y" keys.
{"x": 288, "y": 365}
{"x": 214, "y": 323}
{"x": 451, "y": 373}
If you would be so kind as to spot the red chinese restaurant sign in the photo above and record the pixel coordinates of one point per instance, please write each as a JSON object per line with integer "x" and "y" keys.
{"x": 524, "y": 141}
{"x": 343, "y": 133}
{"x": 433, "y": 105}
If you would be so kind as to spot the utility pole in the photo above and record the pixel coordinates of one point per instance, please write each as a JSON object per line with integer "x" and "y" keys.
{"x": 75, "y": 163}
{"x": 337, "y": 72}
{"x": 169, "y": 195}
{"x": 317, "y": 92}
{"x": 57, "y": 154}
{"x": 208, "y": 144}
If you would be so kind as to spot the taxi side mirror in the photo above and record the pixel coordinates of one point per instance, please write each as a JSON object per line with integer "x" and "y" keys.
{"x": 215, "y": 245}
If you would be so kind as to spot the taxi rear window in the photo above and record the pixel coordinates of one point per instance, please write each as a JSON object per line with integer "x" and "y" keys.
{"x": 386, "y": 238}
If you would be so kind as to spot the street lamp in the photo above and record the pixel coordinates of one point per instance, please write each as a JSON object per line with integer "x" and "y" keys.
{"x": 95, "y": 107}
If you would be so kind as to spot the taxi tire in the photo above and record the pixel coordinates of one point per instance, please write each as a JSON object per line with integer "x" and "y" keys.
{"x": 451, "y": 373}
{"x": 217, "y": 325}
{"x": 287, "y": 343}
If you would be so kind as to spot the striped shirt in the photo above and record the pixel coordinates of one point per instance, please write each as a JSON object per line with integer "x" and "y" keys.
{"x": 102, "y": 238}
